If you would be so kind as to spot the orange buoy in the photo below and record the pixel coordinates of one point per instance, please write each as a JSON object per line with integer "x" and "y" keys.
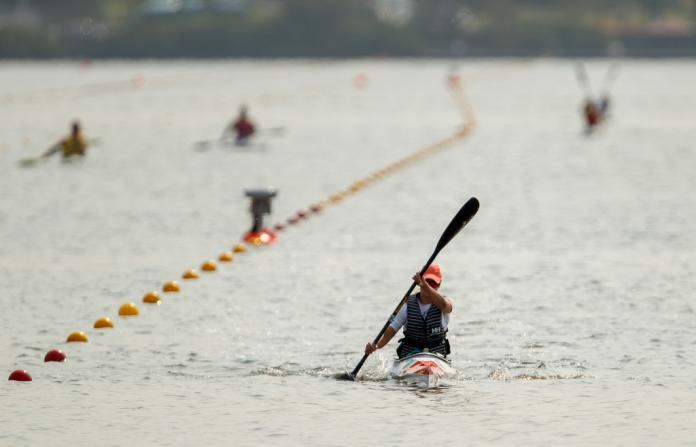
{"x": 77, "y": 337}
{"x": 226, "y": 257}
{"x": 20, "y": 375}
{"x": 190, "y": 274}
{"x": 170, "y": 287}
{"x": 262, "y": 237}
{"x": 103, "y": 323}
{"x": 209, "y": 266}
{"x": 54, "y": 355}
{"x": 128, "y": 310}
{"x": 239, "y": 248}
{"x": 152, "y": 298}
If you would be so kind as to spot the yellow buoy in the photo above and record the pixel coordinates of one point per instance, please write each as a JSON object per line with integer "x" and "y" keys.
{"x": 103, "y": 323}
{"x": 190, "y": 274}
{"x": 226, "y": 257}
{"x": 77, "y": 337}
{"x": 128, "y": 310}
{"x": 239, "y": 248}
{"x": 151, "y": 298}
{"x": 170, "y": 286}
{"x": 209, "y": 266}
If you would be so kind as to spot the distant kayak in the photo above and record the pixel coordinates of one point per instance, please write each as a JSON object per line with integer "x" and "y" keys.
{"x": 423, "y": 368}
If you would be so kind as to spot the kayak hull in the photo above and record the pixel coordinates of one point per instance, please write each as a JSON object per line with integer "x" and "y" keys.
{"x": 423, "y": 368}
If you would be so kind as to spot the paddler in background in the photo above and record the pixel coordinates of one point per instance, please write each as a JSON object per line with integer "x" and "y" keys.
{"x": 74, "y": 145}
{"x": 592, "y": 114}
{"x": 242, "y": 127}
{"x": 424, "y": 318}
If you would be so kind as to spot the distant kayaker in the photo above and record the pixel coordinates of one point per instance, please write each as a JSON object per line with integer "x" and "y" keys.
{"x": 592, "y": 114}
{"x": 242, "y": 127}
{"x": 75, "y": 145}
{"x": 424, "y": 318}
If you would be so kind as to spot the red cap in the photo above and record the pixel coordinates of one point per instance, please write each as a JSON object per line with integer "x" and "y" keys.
{"x": 433, "y": 272}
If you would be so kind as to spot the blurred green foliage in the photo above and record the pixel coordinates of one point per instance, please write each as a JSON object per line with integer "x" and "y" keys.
{"x": 343, "y": 28}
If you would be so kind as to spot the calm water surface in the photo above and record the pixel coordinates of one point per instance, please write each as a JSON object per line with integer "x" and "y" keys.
{"x": 574, "y": 318}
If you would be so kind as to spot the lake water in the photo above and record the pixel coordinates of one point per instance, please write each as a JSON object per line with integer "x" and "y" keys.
{"x": 573, "y": 287}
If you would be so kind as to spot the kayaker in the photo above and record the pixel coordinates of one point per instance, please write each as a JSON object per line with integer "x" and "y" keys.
{"x": 591, "y": 114}
{"x": 424, "y": 318}
{"x": 73, "y": 145}
{"x": 242, "y": 127}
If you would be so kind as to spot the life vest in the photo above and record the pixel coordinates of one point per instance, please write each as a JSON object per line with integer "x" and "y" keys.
{"x": 423, "y": 333}
{"x": 244, "y": 129}
{"x": 74, "y": 145}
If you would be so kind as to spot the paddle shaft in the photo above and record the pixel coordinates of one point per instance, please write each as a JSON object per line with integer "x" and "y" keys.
{"x": 396, "y": 311}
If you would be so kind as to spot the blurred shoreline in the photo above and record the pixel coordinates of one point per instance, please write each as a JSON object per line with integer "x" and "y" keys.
{"x": 342, "y": 29}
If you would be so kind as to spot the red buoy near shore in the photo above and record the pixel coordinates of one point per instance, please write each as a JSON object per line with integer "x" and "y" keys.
{"x": 20, "y": 375}
{"x": 54, "y": 355}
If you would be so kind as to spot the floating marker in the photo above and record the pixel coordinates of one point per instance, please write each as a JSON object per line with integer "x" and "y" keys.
{"x": 170, "y": 287}
{"x": 190, "y": 274}
{"x": 20, "y": 375}
{"x": 226, "y": 257}
{"x": 209, "y": 266}
{"x": 77, "y": 337}
{"x": 293, "y": 220}
{"x": 103, "y": 323}
{"x": 128, "y": 310}
{"x": 152, "y": 298}
{"x": 239, "y": 248}
{"x": 302, "y": 214}
{"x": 279, "y": 227}
{"x": 452, "y": 80}
{"x": 54, "y": 355}
{"x": 360, "y": 81}
{"x": 316, "y": 207}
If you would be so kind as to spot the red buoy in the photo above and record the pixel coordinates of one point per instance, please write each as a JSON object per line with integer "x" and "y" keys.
{"x": 54, "y": 355}
{"x": 20, "y": 375}
{"x": 360, "y": 81}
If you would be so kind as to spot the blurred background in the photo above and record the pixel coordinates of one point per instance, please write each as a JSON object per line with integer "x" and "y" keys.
{"x": 345, "y": 28}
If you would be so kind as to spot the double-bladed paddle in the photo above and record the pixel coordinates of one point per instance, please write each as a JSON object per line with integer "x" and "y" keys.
{"x": 465, "y": 214}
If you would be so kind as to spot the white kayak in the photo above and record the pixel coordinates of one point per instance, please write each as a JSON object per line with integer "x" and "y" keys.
{"x": 423, "y": 368}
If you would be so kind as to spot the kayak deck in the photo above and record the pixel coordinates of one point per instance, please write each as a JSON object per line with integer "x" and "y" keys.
{"x": 422, "y": 368}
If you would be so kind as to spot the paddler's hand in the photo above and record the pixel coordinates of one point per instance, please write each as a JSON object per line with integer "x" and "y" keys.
{"x": 370, "y": 348}
{"x": 419, "y": 280}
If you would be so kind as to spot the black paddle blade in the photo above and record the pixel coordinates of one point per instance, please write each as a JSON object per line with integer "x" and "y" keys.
{"x": 344, "y": 376}
{"x": 465, "y": 214}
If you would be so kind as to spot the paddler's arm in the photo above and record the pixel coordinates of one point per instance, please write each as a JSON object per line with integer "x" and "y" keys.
{"x": 53, "y": 149}
{"x": 396, "y": 324}
{"x": 228, "y": 131}
{"x": 432, "y": 295}
{"x": 382, "y": 342}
